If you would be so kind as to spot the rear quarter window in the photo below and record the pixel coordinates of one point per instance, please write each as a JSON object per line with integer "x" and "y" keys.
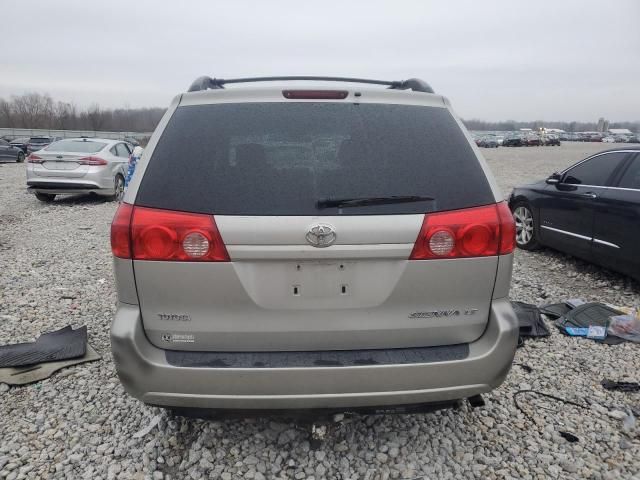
{"x": 281, "y": 158}
{"x": 596, "y": 171}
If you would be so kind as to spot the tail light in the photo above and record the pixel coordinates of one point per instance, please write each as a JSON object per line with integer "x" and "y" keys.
{"x": 472, "y": 232}
{"x": 33, "y": 158}
{"x": 120, "y": 231}
{"x": 92, "y": 161}
{"x": 507, "y": 229}
{"x": 144, "y": 233}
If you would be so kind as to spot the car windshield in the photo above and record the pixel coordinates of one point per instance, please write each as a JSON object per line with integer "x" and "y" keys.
{"x": 76, "y": 146}
{"x": 280, "y": 158}
{"x": 40, "y": 140}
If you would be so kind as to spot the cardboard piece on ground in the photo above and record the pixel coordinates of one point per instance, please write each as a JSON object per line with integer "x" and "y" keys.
{"x": 40, "y": 371}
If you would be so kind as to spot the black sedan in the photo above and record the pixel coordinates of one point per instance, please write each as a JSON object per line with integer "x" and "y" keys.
{"x": 513, "y": 141}
{"x": 20, "y": 143}
{"x": 590, "y": 210}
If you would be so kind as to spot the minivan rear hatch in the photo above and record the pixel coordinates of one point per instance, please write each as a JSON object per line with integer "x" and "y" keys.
{"x": 277, "y": 179}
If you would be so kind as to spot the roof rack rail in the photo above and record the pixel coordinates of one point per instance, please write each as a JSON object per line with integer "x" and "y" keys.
{"x": 414, "y": 84}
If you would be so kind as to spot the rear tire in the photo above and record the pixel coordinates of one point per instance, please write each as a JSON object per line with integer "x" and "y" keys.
{"x": 525, "y": 227}
{"x": 45, "y": 197}
{"x": 20, "y": 158}
{"x": 119, "y": 188}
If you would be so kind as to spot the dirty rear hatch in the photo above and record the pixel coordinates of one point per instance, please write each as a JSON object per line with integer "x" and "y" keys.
{"x": 261, "y": 169}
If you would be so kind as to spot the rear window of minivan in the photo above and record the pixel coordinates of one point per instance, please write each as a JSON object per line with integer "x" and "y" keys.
{"x": 282, "y": 158}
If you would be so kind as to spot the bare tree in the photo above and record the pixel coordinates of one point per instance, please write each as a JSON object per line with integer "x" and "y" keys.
{"x": 33, "y": 110}
{"x": 65, "y": 115}
{"x": 96, "y": 117}
{"x": 6, "y": 113}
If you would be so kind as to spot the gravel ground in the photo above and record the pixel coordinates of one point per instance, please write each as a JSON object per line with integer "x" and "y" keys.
{"x": 55, "y": 269}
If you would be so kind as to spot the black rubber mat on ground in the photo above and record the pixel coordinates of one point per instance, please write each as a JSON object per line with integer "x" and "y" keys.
{"x": 331, "y": 358}
{"x": 34, "y": 373}
{"x": 529, "y": 320}
{"x": 59, "y": 345}
{"x": 555, "y": 310}
{"x": 593, "y": 313}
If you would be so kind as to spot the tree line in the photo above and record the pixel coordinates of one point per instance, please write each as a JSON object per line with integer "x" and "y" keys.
{"x": 36, "y": 110}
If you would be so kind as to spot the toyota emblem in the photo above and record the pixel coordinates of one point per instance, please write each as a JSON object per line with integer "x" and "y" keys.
{"x": 321, "y": 235}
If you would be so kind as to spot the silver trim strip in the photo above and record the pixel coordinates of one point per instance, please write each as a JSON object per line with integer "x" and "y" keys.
{"x": 600, "y": 186}
{"x": 602, "y": 242}
{"x": 567, "y": 233}
{"x": 624, "y": 188}
{"x": 585, "y": 185}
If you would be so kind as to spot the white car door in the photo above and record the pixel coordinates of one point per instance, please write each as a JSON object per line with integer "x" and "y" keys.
{"x": 120, "y": 156}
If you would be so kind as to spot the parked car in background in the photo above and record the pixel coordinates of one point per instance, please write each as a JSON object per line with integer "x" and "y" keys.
{"x": 590, "y": 210}
{"x": 513, "y": 141}
{"x": 608, "y": 140}
{"x": 10, "y": 153}
{"x": 21, "y": 143}
{"x": 79, "y": 165}
{"x": 368, "y": 238}
{"x": 531, "y": 140}
{"x": 38, "y": 143}
{"x": 487, "y": 142}
{"x": 551, "y": 140}
{"x": 132, "y": 141}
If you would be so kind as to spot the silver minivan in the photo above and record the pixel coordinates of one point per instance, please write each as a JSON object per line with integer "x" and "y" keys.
{"x": 294, "y": 247}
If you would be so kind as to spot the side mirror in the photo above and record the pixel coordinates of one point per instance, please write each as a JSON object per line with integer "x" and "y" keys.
{"x": 554, "y": 179}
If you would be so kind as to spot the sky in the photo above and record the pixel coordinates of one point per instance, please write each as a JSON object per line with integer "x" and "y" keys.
{"x": 495, "y": 60}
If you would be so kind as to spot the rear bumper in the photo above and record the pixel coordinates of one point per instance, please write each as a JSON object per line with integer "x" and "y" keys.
{"x": 147, "y": 375}
{"x": 68, "y": 187}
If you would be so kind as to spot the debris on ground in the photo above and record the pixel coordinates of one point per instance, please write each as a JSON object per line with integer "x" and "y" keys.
{"x": 143, "y": 432}
{"x": 626, "y": 326}
{"x": 589, "y": 320}
{"x": 620, "y": 386}
{"x": 61, "y": 344}
{"x": 34, "y": 373}
{"x": 530, "y": 321}
{"x": 24, "y": 363}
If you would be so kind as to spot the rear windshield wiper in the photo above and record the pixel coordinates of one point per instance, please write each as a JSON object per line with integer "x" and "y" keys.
{"x": 364, "y": 201}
